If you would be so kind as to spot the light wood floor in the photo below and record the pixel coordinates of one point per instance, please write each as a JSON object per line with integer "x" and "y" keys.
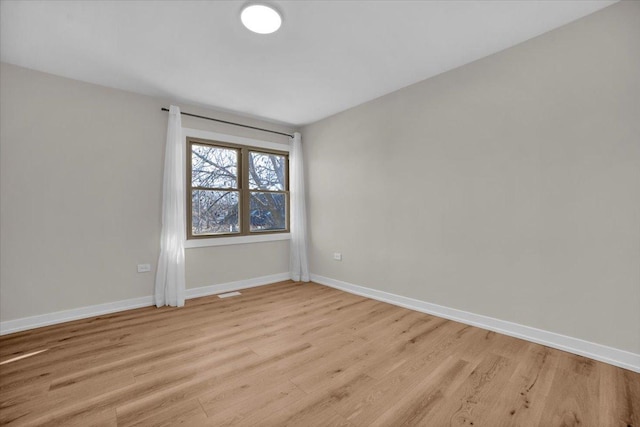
{"x": 300, "y": 355}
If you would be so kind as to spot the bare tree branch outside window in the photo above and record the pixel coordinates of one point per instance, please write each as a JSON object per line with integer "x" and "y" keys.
{"x": 217, "y": 196}
{"x": 214, "y": 211}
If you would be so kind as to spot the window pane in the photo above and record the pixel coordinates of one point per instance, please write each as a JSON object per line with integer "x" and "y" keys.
{"x": 268, "y": 211}
{"x": 214, "y": 212}
{"x": 214, "y": 167}
{"x": 266, "y": 171}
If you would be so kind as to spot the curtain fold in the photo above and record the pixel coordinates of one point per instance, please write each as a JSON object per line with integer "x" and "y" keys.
{"x": 170, "y": 275}
{"x": 299, "y": 264}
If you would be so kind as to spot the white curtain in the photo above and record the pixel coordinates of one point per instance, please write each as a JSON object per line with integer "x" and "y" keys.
{"x": 299, "y": 264}
{"x": 170, "y": 277}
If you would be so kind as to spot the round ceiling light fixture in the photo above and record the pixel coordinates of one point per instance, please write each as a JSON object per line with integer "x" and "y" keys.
{"x": 261, "y": 19}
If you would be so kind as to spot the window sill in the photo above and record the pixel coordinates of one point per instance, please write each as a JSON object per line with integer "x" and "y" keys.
{"x": 235, "y": 240}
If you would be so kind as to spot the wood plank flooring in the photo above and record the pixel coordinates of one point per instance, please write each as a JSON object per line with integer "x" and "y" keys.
{"x": 292, "y": 354}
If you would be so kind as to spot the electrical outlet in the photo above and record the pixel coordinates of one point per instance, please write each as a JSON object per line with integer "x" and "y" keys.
{"x": 337, "y": 256}
{"x": 144, "y": 268}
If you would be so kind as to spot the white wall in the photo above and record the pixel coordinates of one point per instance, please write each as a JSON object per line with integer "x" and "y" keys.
{"x": 509, "y": 187}
{"x": 80, "y": 196}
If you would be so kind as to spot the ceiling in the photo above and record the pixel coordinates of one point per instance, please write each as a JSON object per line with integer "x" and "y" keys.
{"x": 327, "y": 57}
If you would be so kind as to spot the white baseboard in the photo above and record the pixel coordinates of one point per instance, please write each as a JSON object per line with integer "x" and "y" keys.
{"x": 234, "y": 286}
{"x": 17, "y": 325}
{"x": 613, "y": 356}
{"x": 610, "y": 355}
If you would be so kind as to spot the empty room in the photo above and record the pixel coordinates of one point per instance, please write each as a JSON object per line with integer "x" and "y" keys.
{"x": 320, "y": 213}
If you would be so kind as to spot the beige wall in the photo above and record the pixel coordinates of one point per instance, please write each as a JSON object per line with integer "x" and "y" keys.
{"x": 509, "y": 187}
{"x": 80, "y": 188}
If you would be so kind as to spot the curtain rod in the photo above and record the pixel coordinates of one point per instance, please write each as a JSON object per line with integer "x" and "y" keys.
{"x": 231, "y": 123}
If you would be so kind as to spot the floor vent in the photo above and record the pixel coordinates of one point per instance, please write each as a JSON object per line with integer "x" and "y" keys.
{"x": 229, "y": 294}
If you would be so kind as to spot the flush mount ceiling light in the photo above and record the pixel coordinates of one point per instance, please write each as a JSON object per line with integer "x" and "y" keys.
{"x": 261, "y": 19}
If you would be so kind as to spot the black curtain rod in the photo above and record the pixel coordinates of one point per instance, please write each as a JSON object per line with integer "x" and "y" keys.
{"x": 231, "y": 123}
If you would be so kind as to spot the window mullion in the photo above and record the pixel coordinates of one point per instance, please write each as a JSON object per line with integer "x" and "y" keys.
{"x": 244, "y": 193}
{"x": 214, "y": 188}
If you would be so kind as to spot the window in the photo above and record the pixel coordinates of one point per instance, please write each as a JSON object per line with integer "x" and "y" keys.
{"x": 235, "y": 190}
